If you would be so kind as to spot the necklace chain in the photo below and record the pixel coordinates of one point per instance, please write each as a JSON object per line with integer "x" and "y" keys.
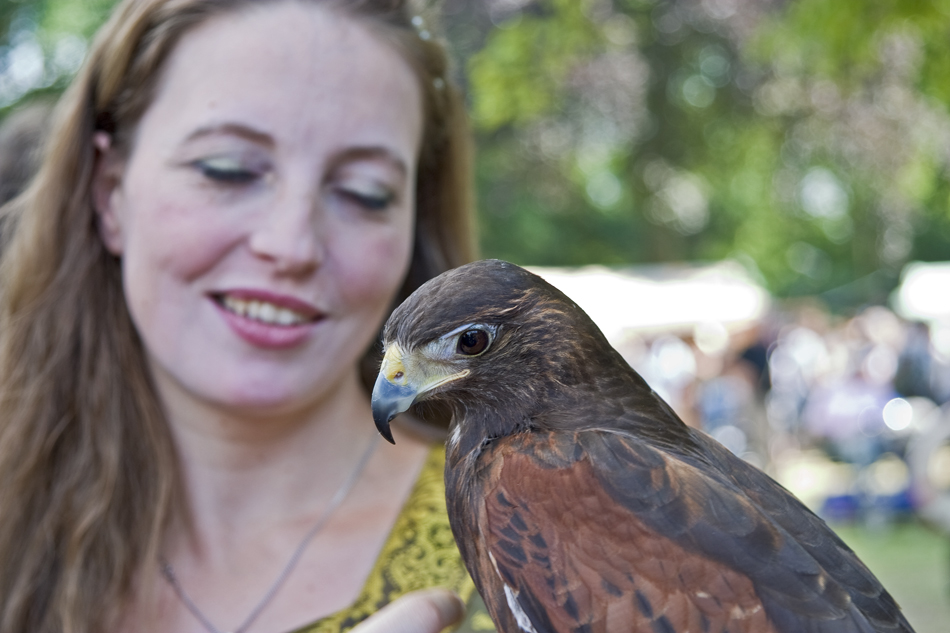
{"x": 169, "y": 572}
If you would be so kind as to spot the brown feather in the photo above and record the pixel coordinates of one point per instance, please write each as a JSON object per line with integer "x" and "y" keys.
{"x": 557, "y": 535}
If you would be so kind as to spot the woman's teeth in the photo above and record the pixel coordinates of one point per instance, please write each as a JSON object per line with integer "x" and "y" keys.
{"x": 262, "y": 311}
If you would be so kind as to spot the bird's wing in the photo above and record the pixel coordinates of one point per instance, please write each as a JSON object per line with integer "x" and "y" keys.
{"x": 463, "y": 503}
{"x": 596, "y": 531}
{"x": 813, "y": 535}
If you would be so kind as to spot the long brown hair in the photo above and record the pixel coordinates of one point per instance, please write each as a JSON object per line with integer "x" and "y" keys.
{"x": 87, "y": 463}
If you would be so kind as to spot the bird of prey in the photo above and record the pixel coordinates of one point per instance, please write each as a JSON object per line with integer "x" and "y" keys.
{"x": 581, "y": 502}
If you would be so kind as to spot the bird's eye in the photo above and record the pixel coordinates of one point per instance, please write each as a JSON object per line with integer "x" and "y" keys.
{"x": 473, "y": 342}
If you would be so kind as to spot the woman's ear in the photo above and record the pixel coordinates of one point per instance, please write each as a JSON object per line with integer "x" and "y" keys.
{"x": 106, "y": 180}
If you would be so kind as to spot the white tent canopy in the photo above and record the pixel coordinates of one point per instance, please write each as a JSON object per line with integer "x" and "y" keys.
{"x": 671, "y": 298}
{"x": 924, "y": 292}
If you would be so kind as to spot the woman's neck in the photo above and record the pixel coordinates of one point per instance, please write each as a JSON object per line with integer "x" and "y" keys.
{"x": 242, "y": 472}
{"x": 255, "y": 487}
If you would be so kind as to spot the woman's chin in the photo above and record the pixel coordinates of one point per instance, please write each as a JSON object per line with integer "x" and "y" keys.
{"x": 263, "y": 400}
{"x": 263, "y": 404}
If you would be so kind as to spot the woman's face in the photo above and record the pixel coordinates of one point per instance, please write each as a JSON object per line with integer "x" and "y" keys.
{"x": 265, "y": 213}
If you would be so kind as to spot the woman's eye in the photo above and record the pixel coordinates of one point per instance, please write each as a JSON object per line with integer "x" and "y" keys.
{"x": 225, "y": 171}
{"x": 370, "y": 198}
{"x": 373, "y": 203}
{"x": 473, "y": 342}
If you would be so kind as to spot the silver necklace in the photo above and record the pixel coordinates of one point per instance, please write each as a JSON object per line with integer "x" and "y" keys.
{"x": 169, "y": 572}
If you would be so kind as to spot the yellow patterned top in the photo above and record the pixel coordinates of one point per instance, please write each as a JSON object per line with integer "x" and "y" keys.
{"x": 420, "y": 552}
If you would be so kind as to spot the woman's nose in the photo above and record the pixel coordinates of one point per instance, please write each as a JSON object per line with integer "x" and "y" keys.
{"x": 289, "y": 234}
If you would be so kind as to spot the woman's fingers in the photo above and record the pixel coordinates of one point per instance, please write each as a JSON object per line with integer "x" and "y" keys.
{"x": 426, "y": 611}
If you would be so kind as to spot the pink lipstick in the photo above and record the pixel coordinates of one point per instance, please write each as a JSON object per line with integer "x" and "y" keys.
{"x": 266, "y": 319}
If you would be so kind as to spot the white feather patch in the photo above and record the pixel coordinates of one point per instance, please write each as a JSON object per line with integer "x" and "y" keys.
{"x": 520, "y": 616}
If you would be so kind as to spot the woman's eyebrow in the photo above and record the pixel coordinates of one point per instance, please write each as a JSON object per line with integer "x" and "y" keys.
{"x": 371, "y": 152}
{"x": 233, "y": 129}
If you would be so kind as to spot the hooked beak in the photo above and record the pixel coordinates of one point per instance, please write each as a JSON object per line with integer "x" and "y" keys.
{"x": 393, "y": 393}
{"x": 404, "y": 378}
{"x": 389, "y": 400}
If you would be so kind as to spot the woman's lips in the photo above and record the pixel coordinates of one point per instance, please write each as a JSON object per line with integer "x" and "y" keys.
{"x": 266, "y": 319}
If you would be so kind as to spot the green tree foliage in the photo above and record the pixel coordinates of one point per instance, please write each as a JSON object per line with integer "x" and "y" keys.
{"x": 42, "y": 44}
{"x": 808, "y": 139}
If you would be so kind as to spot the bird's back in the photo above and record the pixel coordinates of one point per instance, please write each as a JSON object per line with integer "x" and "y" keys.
{"x": 600, "y": 530}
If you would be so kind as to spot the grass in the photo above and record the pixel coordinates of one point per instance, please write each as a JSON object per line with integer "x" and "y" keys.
{"x": 913, "y": 562}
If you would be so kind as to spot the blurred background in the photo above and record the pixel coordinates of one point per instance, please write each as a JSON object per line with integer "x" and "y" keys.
{"x": 751, "y": 198}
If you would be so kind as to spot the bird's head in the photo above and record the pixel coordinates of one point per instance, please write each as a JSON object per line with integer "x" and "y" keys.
{"x": 487, "y": 336}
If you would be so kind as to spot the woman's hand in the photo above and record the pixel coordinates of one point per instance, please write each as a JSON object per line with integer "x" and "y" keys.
{"x": 425, "y": 611}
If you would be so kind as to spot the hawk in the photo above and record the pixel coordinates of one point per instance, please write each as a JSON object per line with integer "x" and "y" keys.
{"x": 581, "y": 502}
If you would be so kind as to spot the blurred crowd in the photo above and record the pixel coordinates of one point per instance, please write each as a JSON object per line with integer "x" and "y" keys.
{"x": 851, "y": 414}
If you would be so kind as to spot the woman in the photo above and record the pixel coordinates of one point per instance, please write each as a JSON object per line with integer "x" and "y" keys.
{"x": 235, "y": 195}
